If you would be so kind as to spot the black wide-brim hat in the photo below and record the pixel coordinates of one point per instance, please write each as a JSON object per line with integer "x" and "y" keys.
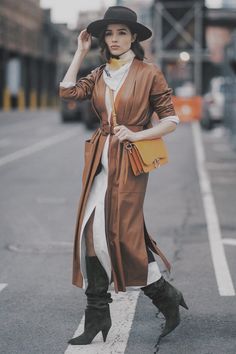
{"x": 123, "y": 15}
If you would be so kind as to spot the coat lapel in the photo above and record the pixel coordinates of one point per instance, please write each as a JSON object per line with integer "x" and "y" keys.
{"x": 125, "y": 91}
{"x": 99, "y": 98}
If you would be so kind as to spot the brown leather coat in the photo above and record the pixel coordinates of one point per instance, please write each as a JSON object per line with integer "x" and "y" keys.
{"x": 144, "y": 91}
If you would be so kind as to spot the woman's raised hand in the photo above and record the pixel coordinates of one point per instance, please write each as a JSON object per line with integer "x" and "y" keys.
{"x": 84, "y": 41}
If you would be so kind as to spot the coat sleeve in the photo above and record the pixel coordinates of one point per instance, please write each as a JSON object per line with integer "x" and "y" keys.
{"x": 83, "y": 88}
{"x": 160, "y": 95}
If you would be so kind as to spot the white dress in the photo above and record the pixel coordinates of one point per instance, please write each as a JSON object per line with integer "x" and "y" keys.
{"x": 96, "y": 198}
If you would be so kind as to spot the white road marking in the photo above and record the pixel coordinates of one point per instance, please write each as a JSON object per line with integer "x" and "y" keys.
{"x": 2, "y": 286}
{"x": 42, "y": 247}
{"x": 229, "y": 241}
{"x": 122, "y": 312}
{"x": 223, "y": 276}
{"x": 43, "y": 144}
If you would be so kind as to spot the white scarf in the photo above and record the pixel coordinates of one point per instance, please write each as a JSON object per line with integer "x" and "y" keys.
{"x": 116, "y": 76}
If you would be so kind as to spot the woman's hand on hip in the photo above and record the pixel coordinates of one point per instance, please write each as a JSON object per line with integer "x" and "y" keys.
{"x": 123, "y": 133}
{"x": 84, "y": 41}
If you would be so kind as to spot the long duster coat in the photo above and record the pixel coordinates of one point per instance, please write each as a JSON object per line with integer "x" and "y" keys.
{"x": 143, "y": 92}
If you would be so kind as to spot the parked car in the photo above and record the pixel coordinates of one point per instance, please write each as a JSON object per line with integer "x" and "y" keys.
{"x": 71, "y": 110}
{"x": 213, "y": 103}
{"x": 82, "y": 111}
{"x": 78, "y": 111}
{"x": 230, "y": 88}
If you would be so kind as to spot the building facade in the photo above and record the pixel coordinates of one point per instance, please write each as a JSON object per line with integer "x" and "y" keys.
{"x": 29, "y": 55}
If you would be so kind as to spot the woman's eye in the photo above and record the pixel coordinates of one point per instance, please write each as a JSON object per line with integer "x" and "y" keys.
{"x": 109, "y": 33}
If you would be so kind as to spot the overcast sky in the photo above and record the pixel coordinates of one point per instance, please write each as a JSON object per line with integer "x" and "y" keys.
{"x": 67, "y": 10}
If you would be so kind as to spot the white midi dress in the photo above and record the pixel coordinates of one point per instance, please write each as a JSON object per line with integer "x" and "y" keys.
{"x": 96, "y": 198}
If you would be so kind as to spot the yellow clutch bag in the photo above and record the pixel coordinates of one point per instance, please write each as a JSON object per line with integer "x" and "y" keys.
{"x": 146, "y": 155}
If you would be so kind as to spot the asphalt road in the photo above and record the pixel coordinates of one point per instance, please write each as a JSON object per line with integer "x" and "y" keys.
{"x": 40, "y": 172}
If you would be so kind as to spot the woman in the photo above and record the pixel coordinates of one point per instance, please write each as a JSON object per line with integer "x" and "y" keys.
{"x": 111, "y": 240}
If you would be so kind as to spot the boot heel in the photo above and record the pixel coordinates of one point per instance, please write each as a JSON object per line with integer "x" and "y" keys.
{"x": 105, "y": 333}
{"x": 183, "y": 303}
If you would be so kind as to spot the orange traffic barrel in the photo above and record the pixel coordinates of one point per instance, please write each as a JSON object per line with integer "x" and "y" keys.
{"x": 188, "y": 109}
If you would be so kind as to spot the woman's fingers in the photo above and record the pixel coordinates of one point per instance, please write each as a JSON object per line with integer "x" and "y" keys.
{"x": 117, "y": 128}
{"x": 122, "y": 132}
{"x": 84, "y": 35}
{"x": 84, "y": 40}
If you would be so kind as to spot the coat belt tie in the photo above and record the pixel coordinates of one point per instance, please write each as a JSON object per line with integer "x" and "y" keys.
{"x": 107, "y": 128}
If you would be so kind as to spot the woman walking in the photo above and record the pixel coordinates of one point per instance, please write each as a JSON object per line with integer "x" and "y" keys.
{"x": 112, "y": 244}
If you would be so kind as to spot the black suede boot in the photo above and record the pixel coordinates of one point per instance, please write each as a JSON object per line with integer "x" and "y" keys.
{"x": 167, "y": 299}
{"x": 97, "y": 313}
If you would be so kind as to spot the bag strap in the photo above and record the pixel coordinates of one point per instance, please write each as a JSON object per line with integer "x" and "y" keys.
{"x": 113, "y": 112}
{"x": 126, "y": 143}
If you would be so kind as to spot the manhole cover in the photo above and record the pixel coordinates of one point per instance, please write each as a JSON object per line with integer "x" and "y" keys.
{"x": 52, "y": 247}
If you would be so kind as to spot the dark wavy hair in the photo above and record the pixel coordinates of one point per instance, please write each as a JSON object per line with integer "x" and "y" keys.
{"x": 135, "y": 46}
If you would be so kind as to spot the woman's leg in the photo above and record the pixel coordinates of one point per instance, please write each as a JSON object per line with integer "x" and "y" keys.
{"x": 88, "y": 231}
{"x": 167, "y": 299}
{"x": 97, "y": 312}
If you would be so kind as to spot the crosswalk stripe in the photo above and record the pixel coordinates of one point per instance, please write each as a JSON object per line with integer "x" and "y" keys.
{"x": 223, "y": 276}
{"x": 229, "y": 241}
{"x": 43, "y": 144}
{"x": 2, "y": 286}
{"x": 122, "y": 313}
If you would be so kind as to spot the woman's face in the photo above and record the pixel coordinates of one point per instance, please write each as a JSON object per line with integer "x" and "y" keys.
{"x": 118, "y": 38}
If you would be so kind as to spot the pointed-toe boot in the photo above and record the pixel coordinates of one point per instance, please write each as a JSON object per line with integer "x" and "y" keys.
{"x": 96, "y": 320}
{"x": 167, "y": 299}
{"x": 97, "y": 313}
